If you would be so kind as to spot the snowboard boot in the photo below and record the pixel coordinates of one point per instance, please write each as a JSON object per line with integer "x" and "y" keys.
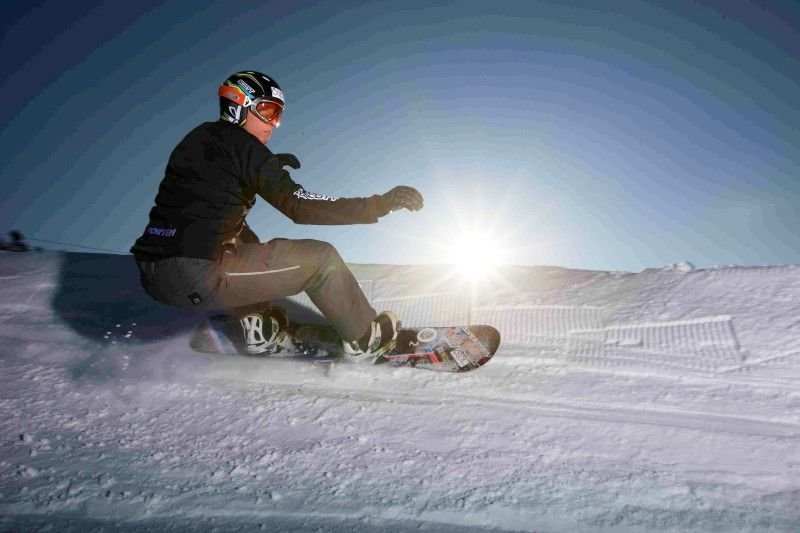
{"x": 379, "y": 339}
{"x": 257, "y": 341}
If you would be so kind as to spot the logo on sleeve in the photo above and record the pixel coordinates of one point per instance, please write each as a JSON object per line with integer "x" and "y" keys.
{"x": 305, "y": 195}
{"x": 161, "y": 232}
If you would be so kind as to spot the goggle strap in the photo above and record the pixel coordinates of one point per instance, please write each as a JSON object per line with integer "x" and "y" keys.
{"x": 233, "y": 94}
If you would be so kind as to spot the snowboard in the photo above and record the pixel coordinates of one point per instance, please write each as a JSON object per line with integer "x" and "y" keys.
{"x": 443, "y": 349}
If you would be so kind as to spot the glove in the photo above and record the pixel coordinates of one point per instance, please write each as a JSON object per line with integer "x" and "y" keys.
{"x": 288, "y": 160}
{"x": 399, "y": 197}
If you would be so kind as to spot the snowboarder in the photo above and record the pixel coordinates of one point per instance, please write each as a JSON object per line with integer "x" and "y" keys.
{"x": 197, "y": 250}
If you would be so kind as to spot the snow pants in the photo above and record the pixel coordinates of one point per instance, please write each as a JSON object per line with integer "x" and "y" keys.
{"x": 247, "y": 277}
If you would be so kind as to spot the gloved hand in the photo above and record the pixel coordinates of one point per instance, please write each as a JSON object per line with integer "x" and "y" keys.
{"x": 399, "y": 197}
{"x": 289, "y": 160}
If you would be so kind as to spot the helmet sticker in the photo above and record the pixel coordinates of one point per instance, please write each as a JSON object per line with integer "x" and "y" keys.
{"x": 233, "y": 93}
{"x": 235, "y": 111}
{"x": 249, "y": 90}
{"x": 277, "y": 93}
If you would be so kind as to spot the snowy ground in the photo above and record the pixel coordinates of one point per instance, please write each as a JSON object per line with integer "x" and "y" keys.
{"x": 665, "y": 400}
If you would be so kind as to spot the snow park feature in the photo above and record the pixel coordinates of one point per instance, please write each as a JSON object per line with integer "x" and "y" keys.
{"x": 664, "y": 400}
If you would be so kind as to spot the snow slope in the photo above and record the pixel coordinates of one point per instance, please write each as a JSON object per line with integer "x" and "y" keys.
{"x": 666, "y": 400}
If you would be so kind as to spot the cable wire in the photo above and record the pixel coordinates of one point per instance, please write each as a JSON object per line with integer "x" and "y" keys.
{"x": 118, "y": 252}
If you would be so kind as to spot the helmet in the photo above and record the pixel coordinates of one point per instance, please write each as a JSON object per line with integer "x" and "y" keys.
{"x": 253, "y": 91}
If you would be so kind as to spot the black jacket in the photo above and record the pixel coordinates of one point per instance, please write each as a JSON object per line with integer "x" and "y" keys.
{"x": 211, "y": 183}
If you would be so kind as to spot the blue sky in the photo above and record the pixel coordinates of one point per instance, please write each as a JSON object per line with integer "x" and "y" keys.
{"x": 619, "y": 137}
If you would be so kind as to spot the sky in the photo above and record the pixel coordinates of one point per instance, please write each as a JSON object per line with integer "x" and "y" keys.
{"x": 617, "y": 137}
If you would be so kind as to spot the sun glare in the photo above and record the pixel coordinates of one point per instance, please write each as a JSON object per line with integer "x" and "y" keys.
{"x": 473, "y": 231}
{"x": 475, "y": 255}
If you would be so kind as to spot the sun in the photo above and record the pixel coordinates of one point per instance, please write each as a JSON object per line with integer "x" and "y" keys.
{"x": 476, "y": 254}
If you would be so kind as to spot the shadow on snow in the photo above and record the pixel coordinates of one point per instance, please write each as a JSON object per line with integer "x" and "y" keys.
{"x": 99, "y": 295}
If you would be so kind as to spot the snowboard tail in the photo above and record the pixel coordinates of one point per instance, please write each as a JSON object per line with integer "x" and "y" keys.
{"x": 443, "y": 349}
{"x": 447, "y": 349}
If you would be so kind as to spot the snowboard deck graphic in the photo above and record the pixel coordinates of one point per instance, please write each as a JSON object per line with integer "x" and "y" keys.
{"x": 443, "y": 349}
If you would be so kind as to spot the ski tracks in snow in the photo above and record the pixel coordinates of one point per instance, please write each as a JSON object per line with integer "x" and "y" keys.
{"x": 662, "y": 400}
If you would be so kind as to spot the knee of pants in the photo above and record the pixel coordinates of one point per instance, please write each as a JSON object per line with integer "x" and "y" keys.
{"x": 328, "y": 253}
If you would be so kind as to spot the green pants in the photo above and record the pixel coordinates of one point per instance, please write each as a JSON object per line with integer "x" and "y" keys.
{"x": 246, "y": 278}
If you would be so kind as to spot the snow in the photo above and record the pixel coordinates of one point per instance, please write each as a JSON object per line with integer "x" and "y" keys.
{"x": 665, "y": 400}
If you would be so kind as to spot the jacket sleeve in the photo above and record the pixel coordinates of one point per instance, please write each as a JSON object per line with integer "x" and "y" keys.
{"x": 274, "y": 185}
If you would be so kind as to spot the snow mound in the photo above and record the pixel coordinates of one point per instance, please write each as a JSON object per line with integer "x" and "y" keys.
{"x": 660, "y": 401}
{"x": 683, "y": 266}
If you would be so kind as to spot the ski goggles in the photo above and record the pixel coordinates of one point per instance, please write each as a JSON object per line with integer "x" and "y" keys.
{"x": 267, "y": 110}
